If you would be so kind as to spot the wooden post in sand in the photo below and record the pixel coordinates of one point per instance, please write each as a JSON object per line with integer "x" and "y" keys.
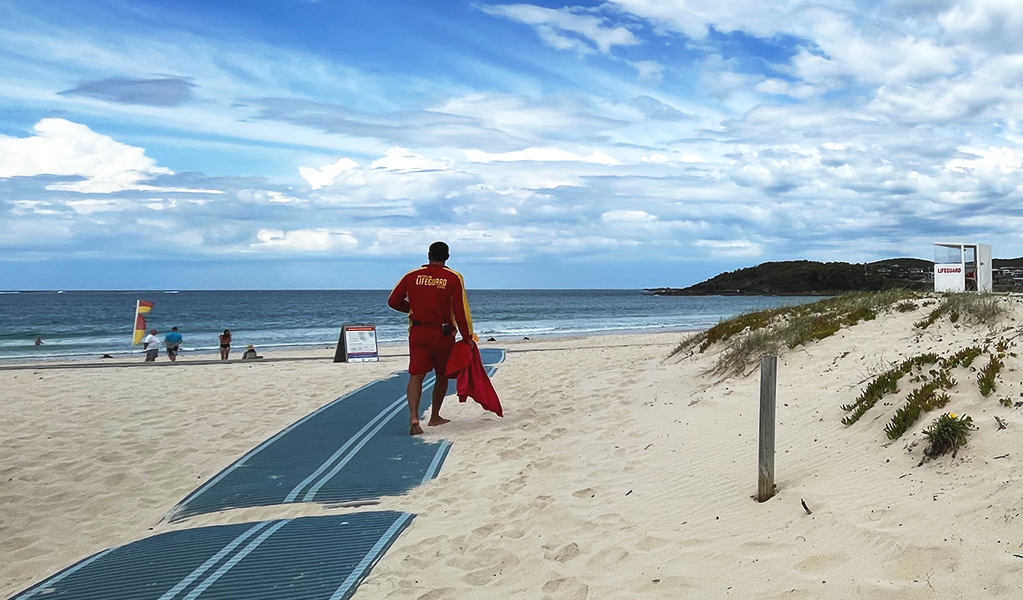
{"x": 768, "y": 389}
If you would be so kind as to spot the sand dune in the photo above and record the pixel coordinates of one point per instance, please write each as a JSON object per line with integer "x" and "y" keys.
{"x": 615, "y": 473}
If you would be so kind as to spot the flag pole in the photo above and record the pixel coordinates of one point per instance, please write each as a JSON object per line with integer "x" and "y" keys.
{"x": 134, "y": 323}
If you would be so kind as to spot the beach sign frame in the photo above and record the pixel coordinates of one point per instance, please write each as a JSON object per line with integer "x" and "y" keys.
{"x": 358, "y": 343}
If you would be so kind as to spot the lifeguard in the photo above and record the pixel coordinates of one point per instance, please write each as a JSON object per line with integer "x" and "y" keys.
{"x": 434, "y": 298}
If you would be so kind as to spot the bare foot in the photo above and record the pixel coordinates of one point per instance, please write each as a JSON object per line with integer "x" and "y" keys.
{"x": 435, "y": 421}
{"x": 415, "y": 429}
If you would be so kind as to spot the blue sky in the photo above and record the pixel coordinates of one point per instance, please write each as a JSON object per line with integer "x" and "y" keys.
{"x": 628, "y": 143}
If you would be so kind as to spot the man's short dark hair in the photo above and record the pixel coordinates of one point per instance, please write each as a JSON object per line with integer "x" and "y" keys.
{"x": 174, "y": 328}
{"x": 438, "y": 251}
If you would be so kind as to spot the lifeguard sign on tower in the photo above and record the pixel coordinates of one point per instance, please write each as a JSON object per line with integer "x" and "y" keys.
{"x": 962, "y": 267}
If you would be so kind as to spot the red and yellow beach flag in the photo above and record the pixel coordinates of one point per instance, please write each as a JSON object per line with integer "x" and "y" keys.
{"x": 141, "y": 308}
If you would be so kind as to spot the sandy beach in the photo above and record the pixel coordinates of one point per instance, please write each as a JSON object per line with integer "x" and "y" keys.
{"x": 617, "y": 472}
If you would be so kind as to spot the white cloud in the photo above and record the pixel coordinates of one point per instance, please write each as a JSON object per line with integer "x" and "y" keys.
{"x": 161, "y": 224}
{"x": 694, "y": 18}
{"x": 402, "y": 160}
{"x": 540, "y": 155}
{"x": 627, "y": 217}
{"x": 325, "y": 175}
{"x": 509, "y": 119}
{"x": 553, "y": 24}
{"x": 650, "y": 70}
{"x": 305, "y": 240}
{"x": 63, "y": 148}
{"x": 88, "y": 207}
{"x": 691, "y": 158}
{"x": 991, "y": 24}
{"x": 993, "y": 161}
{"x": 37, "y": 207}
{"x": 730, "y": 247}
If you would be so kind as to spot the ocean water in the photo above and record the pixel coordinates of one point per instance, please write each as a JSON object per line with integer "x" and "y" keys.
{"x": 89, "y": 324}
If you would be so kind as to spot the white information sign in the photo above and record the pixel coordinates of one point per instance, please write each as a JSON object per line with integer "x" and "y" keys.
{"x": 358, "y": 343}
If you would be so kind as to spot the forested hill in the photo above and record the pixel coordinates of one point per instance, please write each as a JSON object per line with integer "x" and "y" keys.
{"x": 805, "y": 277}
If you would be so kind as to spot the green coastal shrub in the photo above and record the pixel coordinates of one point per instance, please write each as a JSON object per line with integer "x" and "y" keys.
{"x": 987, "y": 375}
{"x": 963, "y": 358}
{"x": 923, "y": 398}
{"x": 946, "y": 434}
{"x": 885, "y": 383}
{"x": 931, "y": 317}
{"x": 907, "y": 306}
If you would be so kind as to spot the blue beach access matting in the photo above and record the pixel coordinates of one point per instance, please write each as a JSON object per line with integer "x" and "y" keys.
{"x": 310, "y": 558}
{"x": 357, "y": 448}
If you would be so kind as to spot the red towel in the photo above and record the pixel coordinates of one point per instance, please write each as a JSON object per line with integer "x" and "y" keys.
{"x": 467, "y": 364}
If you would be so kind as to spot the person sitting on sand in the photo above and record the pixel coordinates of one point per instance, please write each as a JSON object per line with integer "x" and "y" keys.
{"x": 225, "y": 344}
{"x": 173, "y": 342}
{"x": 152, "y": 345}
{"x": 250, "y": 353}
{"x": 433, "y": 296}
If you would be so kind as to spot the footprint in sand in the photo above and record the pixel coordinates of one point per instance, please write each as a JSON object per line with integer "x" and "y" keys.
{"x": 585, "y": 493}
{"x": 563, "y": 554}
{"x": 485, "y": 531}
{"x": 608, "y": 558}
{"x": 568, "y": 588}
{"x": 440, "y": 594}
{"x": 483, "y": 576}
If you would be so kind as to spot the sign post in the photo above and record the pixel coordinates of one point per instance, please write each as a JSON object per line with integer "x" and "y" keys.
{"x": 357, "y": 343}
{"x": 768, "y": 389}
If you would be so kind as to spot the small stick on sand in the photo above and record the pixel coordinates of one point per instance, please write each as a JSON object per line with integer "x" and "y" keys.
{"x": 805, "y": 507}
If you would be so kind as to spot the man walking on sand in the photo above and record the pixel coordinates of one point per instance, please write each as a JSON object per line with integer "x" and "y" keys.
{"x": 151, "y": 343}
{"x": 434, "y": 298}
{"x": 172, "y": 341}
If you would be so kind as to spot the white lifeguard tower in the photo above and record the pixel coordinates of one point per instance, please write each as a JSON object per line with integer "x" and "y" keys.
{"x": 962, "y": 267}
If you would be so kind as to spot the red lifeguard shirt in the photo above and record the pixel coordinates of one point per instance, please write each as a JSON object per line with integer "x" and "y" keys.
{"x": 433, "y": 295}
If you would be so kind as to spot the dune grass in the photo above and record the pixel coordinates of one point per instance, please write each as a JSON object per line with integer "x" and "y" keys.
{"x": 983, "y": 309}
{"x": 750, "y": 336}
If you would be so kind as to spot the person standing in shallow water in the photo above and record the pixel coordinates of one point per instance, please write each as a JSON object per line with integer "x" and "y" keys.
{"x": 225, "y": 344}
{"x": 434, "y": 298}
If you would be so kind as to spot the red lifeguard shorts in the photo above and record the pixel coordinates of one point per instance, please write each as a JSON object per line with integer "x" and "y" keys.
{"x": 428, "y": 350}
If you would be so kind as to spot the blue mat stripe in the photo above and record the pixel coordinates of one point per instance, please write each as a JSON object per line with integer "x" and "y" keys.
{"x": 354, "y": 449}
{"x": 369, "y": 561}
{"x": 61, "y": 575}
{"x": 213, "y": 560}
{"x": 493, "y": 356}
{"x": 262, "y": 446}
{"x": 442, "y": 453}
{"x": 234, "y": 560}
{"x": 310, "y": 558}
{"x": 385, "y": 414}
